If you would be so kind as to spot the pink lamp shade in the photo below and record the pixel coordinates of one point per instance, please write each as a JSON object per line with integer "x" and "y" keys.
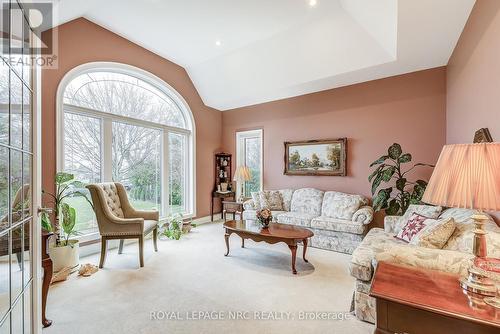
{"x": 466, "y": 176}
{"x": 242, "y": 174}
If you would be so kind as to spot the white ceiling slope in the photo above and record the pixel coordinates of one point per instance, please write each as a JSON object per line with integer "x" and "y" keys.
{"x": 281, "y": 48}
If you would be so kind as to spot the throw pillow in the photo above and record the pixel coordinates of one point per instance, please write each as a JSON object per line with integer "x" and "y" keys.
{"x": 424, "y": 210}
{"x": 435, "y": 234}
{"x": 256, "y": 200}
{"x": 415, "y": 224}
{"x": 271, "y": 200}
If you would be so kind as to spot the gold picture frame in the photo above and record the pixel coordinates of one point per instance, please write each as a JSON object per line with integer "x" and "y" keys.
{"x": 326, "y": 157}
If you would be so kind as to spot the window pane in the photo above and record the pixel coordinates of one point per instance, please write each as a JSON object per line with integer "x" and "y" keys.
{"x": 26, "y": 193}
{"x": 4, "y": 274}
{"x": 4, "y": 29}
{"x": 27, "y": 309}
{"x": 17, "y": 317}
{"x": 27, "y": 54}
{"x": 137, "y": 99}
{"x": 177, "y": 172}
{"x": 137, "y": 163}
{"x": 4, "y": 103}
{"x": 82, "y": 157}
{"x": 252, "y": 161}
{"x": 16, "y": 100}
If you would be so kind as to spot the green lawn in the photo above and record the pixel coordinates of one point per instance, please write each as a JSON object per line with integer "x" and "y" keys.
{"x": 85, "y": 220}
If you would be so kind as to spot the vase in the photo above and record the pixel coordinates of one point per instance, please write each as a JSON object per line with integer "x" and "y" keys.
{"x": 265, "y": 222}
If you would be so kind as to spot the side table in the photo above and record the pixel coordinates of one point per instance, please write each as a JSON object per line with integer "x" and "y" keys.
{"x": 231, "y": 207}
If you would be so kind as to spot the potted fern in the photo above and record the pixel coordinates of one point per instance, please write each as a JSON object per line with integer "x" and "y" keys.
{"x": 64, "y": 252}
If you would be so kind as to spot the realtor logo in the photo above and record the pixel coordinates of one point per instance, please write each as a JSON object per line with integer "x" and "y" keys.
{"x": 22, "y": 24}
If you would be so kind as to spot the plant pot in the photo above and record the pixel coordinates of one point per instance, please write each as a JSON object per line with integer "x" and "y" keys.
{"x": 65, "y": 256}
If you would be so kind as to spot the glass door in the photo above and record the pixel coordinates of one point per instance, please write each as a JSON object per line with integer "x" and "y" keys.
{"x": 16, "y": 172}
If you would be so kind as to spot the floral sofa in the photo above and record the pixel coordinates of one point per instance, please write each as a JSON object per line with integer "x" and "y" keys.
{"x": 381, "y": 245}
{"x": 339, "y": 221}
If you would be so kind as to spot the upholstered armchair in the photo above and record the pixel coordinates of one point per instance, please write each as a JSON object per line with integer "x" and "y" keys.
{"x": 117, "y": 219}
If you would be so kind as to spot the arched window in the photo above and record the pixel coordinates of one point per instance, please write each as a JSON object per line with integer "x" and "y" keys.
{"x": 120, "y": 123}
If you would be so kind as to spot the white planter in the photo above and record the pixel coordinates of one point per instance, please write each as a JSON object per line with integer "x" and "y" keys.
{"x": 64, "y": 256}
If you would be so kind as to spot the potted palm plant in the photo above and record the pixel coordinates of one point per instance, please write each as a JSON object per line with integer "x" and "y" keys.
{"x": 64, "y": 250}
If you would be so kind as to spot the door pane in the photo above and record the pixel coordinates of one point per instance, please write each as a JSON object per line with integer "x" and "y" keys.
{"x": 177, "y": 172}
{"x": 4, "y": 103}
{"x": 26, "y": 192}
{"x": 16, "y": 273}
{"x": 16, "y": 36}
{"x": 82, "y": 157}
{"x": 27, "y": 255}
{"x": 27, "y": 100}
{"x": 27, "y": 54}
{"x": 4, "y": 29}
{"x": 17, "y": 317}
{"x": 27, "y": 309}
{"x": 5, "y": 327}
{"x": 16, "y": 100}
{"x": 16, "y": 181}
{"x": 4, "y": 188}
{"x": 4, "y": 275}
{"x": 252, "y": 161}
{"x": 137, "y": 163}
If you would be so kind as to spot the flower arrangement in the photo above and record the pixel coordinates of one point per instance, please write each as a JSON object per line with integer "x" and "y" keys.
{"x": 265, "y": 217}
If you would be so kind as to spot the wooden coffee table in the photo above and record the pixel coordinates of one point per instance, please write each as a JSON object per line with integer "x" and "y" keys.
{"x": 250, "y": 229}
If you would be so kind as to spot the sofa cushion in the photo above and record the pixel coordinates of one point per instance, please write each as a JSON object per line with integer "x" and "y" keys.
{"x": 295, "y": 218}
{"x": 339, "y": 225}
{"x": 286, "y": 196}
{"x": 413, "y": 226}
{"x": 424, "y": 210}
{"x": 376, "y": 241}
{"x": 256, "y": 200}
{"x": 435, "y": 234}
{"x": 308, "y": 201}
{"x": 271, "y": 199}
{"x": 340, "y": 205}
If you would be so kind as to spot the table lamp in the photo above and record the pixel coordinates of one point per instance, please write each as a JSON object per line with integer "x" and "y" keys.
{"x": 468, "y": 176}
{"x": 242, "y": 175}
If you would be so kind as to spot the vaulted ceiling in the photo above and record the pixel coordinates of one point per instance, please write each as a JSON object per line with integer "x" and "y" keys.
{"x": 243, "y": 52}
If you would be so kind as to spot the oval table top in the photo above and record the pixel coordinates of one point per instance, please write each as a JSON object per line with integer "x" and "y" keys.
{"x": 277, "y": 230}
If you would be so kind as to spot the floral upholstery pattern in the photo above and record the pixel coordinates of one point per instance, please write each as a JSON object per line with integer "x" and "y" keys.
{"x": 249, "y": 205}
{"x": 435, "y": 234}
{"x": 256, "y": 200}
{"x": 434, "y": 259}
{"x": 376, "y": 241}
{"x": 340, "y": 225}
{"x": 271, "y": 200}
{"x": 307, "y": 201}
{"x": 342, "y": 242}
{"x": 364, "y": 215}
{"x": 390, "y": 223}
{"x": 425, "y": 210}
{"x": 296, "y": 218}
{"x": 340, "y": 205}
{"x": 286, "y": 196}
{"x": 365, "y": 307}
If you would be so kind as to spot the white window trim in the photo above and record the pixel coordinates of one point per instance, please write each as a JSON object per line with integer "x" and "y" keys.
{"x": 157, "y": 83}
{"x": 240, "y": 152}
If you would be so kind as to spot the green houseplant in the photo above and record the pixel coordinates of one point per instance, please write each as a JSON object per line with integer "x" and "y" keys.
{"x": 175, "y": 227}
{"x": 64, "y": 252}
{"x": 402, "y": 192}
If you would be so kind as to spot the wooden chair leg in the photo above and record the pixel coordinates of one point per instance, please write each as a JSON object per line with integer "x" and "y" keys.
{"x": 120, "y": 248}
{"x": 141, "y": 251}
{"x": 104, "y": 244}
{"x": 155, "y": 237}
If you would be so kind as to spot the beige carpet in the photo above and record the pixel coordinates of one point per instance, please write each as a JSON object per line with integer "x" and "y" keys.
{"x": 192, "y": 277}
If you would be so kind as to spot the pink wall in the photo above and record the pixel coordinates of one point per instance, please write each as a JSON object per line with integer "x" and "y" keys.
{"x": 473, "y": 78}
{"x": 409, "y": 109}
{"x": 81, "y": 41}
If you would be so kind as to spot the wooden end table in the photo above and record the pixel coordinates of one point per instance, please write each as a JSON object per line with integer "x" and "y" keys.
{"x": 232, "y": 207}
{"x": 414, "y": 300}
{"x": 250, "y": 229}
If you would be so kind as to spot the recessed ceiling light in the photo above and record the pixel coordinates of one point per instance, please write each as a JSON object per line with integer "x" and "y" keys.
{"x": 218, "y": 43}
{"x": 313, "y": 3}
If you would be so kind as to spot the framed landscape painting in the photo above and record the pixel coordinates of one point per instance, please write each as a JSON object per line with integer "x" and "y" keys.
{"x": 316, "y": 157}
